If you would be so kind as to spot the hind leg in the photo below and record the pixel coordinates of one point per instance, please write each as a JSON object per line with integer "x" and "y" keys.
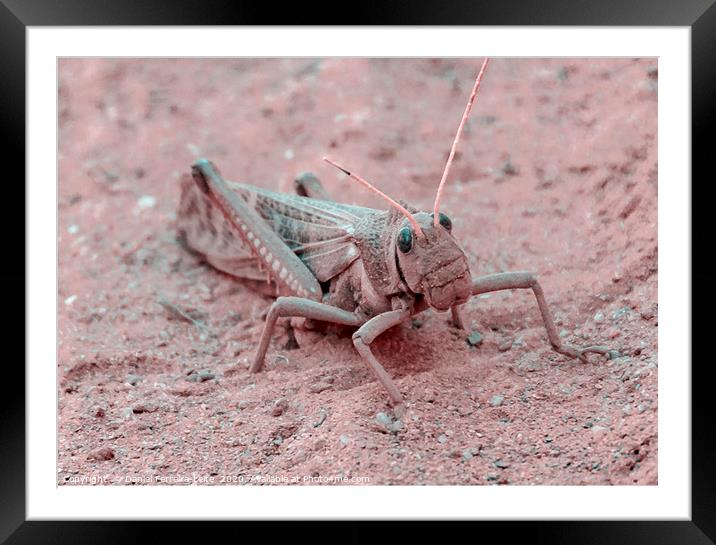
{"x": 307, "y": 185}
{"x": 303, "y": 308}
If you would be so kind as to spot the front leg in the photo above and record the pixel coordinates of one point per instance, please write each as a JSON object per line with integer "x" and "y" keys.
{"x": 367, "y": 334}
{"x": 304, "y": 308}
{"x": 528, "y": 280}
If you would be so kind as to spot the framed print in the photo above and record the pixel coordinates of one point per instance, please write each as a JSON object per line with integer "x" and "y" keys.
{"x": 360, "y": 272}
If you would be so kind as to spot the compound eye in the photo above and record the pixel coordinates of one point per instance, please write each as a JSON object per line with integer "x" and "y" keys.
{"x": 405, "y": 240}
{"x": 445, "y": 221}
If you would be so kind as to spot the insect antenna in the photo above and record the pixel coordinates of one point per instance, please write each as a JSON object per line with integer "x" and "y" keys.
{"x": 436, "y": 208}
{"x": 366, "y": 183}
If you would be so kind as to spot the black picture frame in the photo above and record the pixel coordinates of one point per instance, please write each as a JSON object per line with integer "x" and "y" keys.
{"x": 17, "y": 15}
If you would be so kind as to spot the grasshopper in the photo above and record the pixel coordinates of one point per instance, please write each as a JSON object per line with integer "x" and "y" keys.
{"x": 335, "y": 263}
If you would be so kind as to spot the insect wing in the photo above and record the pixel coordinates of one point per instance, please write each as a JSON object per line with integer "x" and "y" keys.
{"x": 318, "y": 232}
{"x": 204, "y": 230}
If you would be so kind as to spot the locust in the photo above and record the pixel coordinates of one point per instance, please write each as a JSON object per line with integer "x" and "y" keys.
{"x": 334, "y": 263}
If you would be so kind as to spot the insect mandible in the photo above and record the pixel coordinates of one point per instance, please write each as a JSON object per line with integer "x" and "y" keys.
{"x": 348, "y": 265}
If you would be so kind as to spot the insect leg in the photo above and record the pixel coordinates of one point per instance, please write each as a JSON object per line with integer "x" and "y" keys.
{"x": 457, "y": 317}
{"x": 307, "y": 185}
{"x": 305, "y": 308}
{"x": 366, "y": 334}
{"x": 528, "y": 280}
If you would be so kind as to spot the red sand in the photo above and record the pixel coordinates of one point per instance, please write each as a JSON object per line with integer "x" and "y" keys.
{"x": 556, "y": 173}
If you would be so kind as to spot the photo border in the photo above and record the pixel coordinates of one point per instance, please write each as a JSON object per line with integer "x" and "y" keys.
{"x": 700, "y": 16}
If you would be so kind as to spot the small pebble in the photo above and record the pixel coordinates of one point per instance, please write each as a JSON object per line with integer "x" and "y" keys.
{"x": 72, "y": 229}
{"x": 566, "y": 390}
{"x": 71, "y": 299}
{"x": 599, "y": 316}
{"x": 101, "y": 455}
{"x": 497, "y": 400}
{"x": 383, "y": 419}
{"x": 146, "y": 201}
{"x": 501, "y": 464}
{"x": 530, "y": 363}
{"x": 133, "y": 379}
{"x": 344, "y": 439}
{"x": 201, "y": 376}
{"x": 620, "y": 313}
{"x": 386, "y": 421}
{"x": 442, "y": 438}
{"x": 474, "y": 339}
{"x": 279, "y": 407}
{"x": 626, "y": 409}
{"x": 140, "y": 408}
{"x": 505, "y": 345}
{"x": 318, "y": 387}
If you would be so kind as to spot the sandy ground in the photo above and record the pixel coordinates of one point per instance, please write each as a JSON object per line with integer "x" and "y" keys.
{"x": 556, "y": 173}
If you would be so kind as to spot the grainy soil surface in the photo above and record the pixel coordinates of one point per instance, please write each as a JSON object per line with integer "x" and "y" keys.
{"x": 556, "y": 173}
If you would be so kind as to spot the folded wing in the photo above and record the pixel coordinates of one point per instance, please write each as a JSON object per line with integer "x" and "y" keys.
{"x": 319, "y": 232}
